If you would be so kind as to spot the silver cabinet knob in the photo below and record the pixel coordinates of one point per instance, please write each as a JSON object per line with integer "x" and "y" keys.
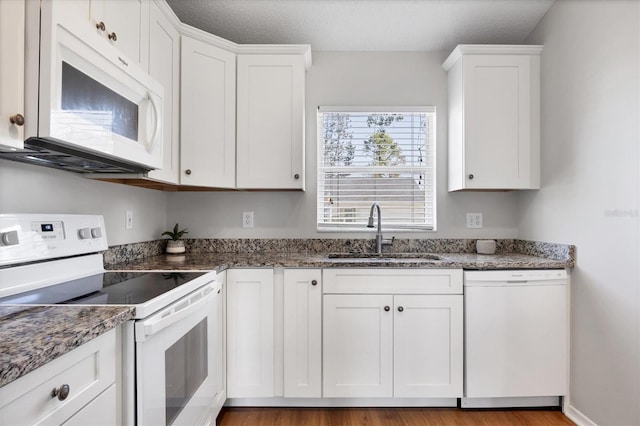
{"x": 101, "y": 26}
{"x": 113, "y": 37}
{"x": 62, "y": 392}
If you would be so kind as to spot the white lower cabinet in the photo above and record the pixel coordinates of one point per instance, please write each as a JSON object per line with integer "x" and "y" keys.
{"x": 98, "y": 412}
{"x": 427, "y": 346}
{"x": 343, "y": 333}
{"x": 302, "y": 333}
{"x": 358, "y": 346}
{"x": 89, "y": 375}
{"x": 393, "y": 345}
{"x": 250, "y": 344}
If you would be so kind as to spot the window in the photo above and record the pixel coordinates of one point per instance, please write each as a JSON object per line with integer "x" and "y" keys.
{"x": 383, "y": 155}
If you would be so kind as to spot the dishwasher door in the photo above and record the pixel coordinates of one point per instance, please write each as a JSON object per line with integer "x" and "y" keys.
{"x": 515, "y": 334}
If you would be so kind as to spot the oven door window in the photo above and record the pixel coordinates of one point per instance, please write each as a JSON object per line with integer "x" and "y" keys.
{"x": 185, "y": 369}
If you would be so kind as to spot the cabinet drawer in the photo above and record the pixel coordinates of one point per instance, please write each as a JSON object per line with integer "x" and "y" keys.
{"x": 88, "y": 370}
{"x": 396, "y": 281}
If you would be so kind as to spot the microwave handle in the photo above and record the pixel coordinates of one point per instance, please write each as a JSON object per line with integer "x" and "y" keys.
{"x": 145, "y": 329}
{"x": 156, "y": 126}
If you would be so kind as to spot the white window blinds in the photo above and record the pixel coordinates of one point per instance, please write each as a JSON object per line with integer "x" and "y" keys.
{"x": 383, "y": 155}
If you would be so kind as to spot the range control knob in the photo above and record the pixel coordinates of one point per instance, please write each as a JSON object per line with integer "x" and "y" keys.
{"x": 10, "y": 238}
{"x": 96, "y": 232}
{"x": 84, "y": 233}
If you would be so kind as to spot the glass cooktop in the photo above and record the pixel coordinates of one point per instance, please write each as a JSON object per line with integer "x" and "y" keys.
{"x": 108, "y": 288}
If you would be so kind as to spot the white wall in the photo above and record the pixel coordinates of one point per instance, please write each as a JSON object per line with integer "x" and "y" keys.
{"x": 590, "y": 191}
{"x": 350, "y": 79}
{"x": 27, "y": 188}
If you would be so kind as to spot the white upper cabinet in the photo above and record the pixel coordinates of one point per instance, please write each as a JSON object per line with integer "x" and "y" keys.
{"x": 124, "y": 24}
{"x": 270, "y": 141}
{"x": 12, "y": 52}
{"x": 208, "y": 119}
{"x": 494, "y": 117}
{"x": 164, "y": 66}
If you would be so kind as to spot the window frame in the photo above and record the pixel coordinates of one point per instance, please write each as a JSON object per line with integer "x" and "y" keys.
{"x": 431, "y": 149}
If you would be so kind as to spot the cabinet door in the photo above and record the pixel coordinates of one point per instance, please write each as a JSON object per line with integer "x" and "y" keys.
{"x": 428, "y": 346}
{"x": 357, "y": 346}
{"x": 270, "y": 121}
{"x": 250, "y": 333}
{"x": 302, "y": 333}
{"x": 497, "y": 121}
{"x": 208, "y": 120}
{"x": 126, "y": 24}
{"x": 164, "y": 66}
{"x": 88, "y": 370}
{"x": 99, "y": 412}
{"x": 12, "y": 45}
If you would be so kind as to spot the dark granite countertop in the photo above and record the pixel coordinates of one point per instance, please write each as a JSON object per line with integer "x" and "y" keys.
{"x": 222, "y": 261}
{"x": 31, "y": 336}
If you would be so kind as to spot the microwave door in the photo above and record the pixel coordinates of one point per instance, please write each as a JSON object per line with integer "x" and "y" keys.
{"x": 100, "y": 101}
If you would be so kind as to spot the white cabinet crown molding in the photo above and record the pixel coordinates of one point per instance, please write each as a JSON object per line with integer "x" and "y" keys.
{"x": 490, "y": 49}
{"x": 168, "y": 12}
{"x": 248, "y": 49}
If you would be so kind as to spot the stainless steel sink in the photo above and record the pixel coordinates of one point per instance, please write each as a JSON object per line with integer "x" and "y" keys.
{"x": 387, "y": 256}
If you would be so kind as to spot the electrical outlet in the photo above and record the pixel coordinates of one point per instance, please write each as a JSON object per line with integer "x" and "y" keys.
{"x": 129, "y": 220}
{"x": 474, "y": 220}
{"x": 247, "y": 219}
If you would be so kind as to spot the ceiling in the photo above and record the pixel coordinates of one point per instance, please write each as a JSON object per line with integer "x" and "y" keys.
{"x": 365, "y": 25}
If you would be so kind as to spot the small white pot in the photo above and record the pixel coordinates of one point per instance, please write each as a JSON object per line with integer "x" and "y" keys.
{"x": 175, "y": 246}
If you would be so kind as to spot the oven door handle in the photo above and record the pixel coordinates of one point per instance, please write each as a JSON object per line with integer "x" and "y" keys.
{"x": 174, "y": 313}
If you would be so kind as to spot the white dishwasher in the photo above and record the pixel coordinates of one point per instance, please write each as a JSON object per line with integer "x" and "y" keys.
{"x": 516, "y": 345}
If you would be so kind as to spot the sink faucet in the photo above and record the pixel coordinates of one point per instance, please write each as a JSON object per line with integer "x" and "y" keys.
{"x": 379, "y": 240}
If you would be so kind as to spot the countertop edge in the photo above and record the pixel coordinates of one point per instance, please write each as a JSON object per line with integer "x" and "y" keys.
{"x": 18, "y": 362}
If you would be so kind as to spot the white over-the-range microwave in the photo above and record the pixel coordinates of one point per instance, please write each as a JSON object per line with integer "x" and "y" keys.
{"x": 97, "y": 110}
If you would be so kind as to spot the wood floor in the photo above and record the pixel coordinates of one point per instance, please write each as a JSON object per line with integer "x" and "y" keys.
{"x": 387, "y": 417}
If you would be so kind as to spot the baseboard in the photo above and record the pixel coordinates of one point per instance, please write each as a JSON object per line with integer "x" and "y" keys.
{"x": 539, "y": 401}
{"x": 577, "y": 417}
{"x": 341, "y": 402}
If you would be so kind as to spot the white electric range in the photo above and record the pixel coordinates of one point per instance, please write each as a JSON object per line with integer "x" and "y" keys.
{"x": 172, "y": 351}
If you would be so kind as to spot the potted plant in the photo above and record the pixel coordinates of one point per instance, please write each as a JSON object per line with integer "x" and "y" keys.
{"x": 175, "y": 244}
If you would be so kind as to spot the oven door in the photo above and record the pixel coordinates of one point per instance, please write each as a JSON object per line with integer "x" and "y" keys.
{"x": 178, "y": 370}
{"x": 93, "y": 97}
